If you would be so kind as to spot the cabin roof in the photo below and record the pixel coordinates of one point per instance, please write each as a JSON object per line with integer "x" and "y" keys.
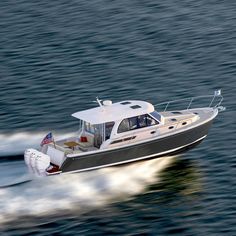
{"x": 114, "y": 112}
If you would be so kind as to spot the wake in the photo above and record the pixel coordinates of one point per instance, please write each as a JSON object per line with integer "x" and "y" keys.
{"x": 15, "y": 144}
{"x": 47, "y": 195}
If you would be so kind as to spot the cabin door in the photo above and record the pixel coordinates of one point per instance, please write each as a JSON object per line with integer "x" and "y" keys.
{"x": 98, "y": 135}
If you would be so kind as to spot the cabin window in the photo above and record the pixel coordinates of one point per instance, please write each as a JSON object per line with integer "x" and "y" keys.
{"x": 124, "y": 126}
{"x": 133, "y": 123}
{"x": 136, "y": 122}
{"x": 151, "y": 121}
{"x": 146, "y": 120}
{"x": 108, "y": 129}
{"x": 89, "y": 128}
{"x": 142, "y": 121}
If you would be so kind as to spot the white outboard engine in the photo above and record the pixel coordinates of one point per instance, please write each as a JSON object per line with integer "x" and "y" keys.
{"x": 36, "y": 161}
{"x": 33, "y": 160}
{"x": 42, "y": 163}
{"x": 27, "y": 157}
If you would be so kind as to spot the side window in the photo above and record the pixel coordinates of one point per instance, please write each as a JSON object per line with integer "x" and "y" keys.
{"x": 109, "y": 127}
{"x": 124, "y": 126}
{"x": 146, "y": 120}
{"x": 142, "y": 121}
{"x": 136, "y": 123}
{"x": 133, "y": 124}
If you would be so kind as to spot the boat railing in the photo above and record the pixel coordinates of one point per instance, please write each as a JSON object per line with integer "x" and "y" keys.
{"x": 215, "y": 100}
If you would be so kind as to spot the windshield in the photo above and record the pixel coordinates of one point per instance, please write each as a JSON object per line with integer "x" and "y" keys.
{"x": 156, "y": 115}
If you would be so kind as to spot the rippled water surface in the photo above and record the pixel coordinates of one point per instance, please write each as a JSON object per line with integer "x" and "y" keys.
{"x": 56, "y": 57}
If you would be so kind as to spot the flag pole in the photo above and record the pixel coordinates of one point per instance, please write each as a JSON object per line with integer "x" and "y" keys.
{"x": 54, "y": 142}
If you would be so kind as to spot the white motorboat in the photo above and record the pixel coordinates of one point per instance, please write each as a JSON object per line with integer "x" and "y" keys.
{"x": 122, "y": 132}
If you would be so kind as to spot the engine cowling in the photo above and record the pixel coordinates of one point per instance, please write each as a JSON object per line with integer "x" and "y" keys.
{"x": 27, "y": 156}
{"x": 36, "y": 161}
{"x": 42, "y": 162}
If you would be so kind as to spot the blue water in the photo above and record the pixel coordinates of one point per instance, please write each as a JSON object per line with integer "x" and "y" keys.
{"x": 56, "y": 57}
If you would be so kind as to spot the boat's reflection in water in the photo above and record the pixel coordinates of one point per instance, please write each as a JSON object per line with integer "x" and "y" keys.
{"x": 83, "y": 191}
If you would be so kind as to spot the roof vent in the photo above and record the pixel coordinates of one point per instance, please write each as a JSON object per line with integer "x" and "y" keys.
{"x": 125, "y": 103}
{"x": 107, "y": 103}
{"x": 135, "y": 107}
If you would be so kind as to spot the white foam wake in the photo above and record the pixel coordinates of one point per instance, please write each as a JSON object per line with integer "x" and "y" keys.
{"x": 47, "y": 195}
{"x": 14, "y": 144}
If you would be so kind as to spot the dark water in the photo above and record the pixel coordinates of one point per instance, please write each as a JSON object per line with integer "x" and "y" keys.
{"x": 56, "y": 57}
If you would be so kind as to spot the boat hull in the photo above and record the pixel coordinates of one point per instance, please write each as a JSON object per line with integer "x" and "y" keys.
{"x": 168, "y": 145}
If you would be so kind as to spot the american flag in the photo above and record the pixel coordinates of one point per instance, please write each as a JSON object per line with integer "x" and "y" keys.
{"x": 48, "y": 139}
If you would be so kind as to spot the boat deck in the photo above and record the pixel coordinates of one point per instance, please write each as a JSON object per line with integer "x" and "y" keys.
{"x": 73, "y": 145}
{"x": 180, "y": 120}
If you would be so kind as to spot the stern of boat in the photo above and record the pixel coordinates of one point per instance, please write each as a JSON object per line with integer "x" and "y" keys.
{"x": 45, "y": 162}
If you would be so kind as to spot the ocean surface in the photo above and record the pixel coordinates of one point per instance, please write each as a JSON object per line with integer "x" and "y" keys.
{"x": 56, "y": 57}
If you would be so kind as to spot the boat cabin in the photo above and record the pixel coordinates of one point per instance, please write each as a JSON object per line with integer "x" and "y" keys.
{"x": 111, "y": 125}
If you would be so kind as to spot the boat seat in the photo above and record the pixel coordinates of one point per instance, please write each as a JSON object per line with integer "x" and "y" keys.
{"x": 89, "y": 143}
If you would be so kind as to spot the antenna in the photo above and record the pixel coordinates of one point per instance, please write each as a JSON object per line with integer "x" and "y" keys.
{"x": 99, "y": 102}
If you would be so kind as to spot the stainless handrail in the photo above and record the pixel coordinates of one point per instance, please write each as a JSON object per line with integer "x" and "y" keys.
{"x": 216, "y": 94}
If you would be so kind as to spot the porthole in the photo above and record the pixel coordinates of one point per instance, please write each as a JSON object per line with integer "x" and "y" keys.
{"x": 171, "y": 127}
{"x": 176, "y": 112}
{"x": 173, "y": 119}
{"x": 184, "y": 123}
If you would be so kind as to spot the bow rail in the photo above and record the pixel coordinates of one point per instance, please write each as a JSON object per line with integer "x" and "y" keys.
{"x": 215, "y": 98}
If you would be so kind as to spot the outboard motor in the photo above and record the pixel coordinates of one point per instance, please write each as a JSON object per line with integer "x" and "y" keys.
{"x": 33, "y": 160}
{"x": 42, "y": 163}
{"x": 27, "y": 157}
{"x": 36, "y": 161}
